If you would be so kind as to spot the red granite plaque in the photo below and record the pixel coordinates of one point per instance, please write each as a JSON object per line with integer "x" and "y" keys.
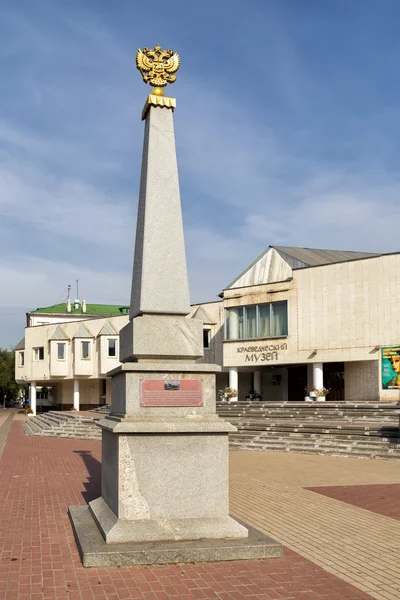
{"x": 171, "y": 392}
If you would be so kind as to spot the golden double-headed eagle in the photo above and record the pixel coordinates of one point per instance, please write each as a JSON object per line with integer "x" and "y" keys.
{"x": 157, "y": 67}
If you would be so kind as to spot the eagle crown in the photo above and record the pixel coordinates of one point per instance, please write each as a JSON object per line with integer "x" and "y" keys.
{"x": 157, "y": 67}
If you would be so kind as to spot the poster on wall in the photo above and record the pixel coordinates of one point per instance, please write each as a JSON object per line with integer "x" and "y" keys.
{"x": 391, "y": 368}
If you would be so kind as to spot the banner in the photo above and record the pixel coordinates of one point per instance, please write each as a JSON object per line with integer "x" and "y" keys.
{"x": 391, "y": 368}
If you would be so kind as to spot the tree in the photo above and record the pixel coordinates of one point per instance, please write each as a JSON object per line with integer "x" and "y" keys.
{"x": 9, "y": 388}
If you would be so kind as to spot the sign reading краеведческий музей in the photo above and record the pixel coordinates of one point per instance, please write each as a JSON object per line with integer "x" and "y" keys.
{"x": 262, "y": 353}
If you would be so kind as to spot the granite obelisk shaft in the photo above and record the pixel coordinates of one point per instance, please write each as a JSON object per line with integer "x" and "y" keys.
{"x": 159, "y": 283}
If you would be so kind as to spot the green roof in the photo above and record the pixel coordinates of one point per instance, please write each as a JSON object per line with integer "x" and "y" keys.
{"x": 99, "y": 310}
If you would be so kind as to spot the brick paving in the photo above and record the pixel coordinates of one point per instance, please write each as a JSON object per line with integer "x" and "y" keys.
{"x": 41, "y": 477}
{"x": 6, "y": 418}
{"x": 382, "y": 499}
{"x": 269, "y": 490}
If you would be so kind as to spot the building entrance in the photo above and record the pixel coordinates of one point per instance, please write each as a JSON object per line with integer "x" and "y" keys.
{"x": 334, "y": 380}
{"x": 297, "y": 383}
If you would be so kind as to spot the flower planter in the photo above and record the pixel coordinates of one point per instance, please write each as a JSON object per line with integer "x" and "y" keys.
{"x": 308, "y": 399}
{"x": 228, "y": 395}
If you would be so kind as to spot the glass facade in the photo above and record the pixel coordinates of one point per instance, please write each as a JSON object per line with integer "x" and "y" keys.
{"x": 256, "y": 321}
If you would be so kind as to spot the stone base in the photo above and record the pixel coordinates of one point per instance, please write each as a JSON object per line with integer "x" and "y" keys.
{"x": 94, "y": 551}
{"x": 116, "y": 530}
{"x": 161, "y": 336}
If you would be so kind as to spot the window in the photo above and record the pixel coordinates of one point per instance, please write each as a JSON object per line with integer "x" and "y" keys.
{"x": 279, "y": 324}
{"x": 250, "y": 322}
{"x": 112, "y": 348}
{"x": 206, "y": 339}
{"x": 234, "y": 323}
{"x": 60, "y": 351}
{"x": 38, "y": 353}
{"x": 21, "y": 359}
{"x": 256, "y": 321}
{"x": 85, "y": 347}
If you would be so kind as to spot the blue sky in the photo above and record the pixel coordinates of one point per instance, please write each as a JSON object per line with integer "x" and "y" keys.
{"x": 287, "y": 128}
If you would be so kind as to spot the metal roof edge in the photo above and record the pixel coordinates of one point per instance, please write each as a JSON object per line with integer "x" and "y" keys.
{"x": 338, "y": 262}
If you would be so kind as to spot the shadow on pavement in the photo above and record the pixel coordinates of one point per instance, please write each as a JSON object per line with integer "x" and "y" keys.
{"x": 93, "y": 467}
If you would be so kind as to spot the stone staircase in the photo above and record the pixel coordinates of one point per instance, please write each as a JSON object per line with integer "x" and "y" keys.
{"x": 103, "y": 410}
{"x": 63, "y": 425}
{"x": 343, "y": 429}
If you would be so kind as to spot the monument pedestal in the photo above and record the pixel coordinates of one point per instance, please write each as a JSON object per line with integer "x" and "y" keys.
{"x": 171, "y": 483}
{"x": 164, "y": 481}
{"x": 164, "y": 457}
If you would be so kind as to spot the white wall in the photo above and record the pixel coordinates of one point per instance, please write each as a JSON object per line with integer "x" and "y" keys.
{"x": 85, "y": 366}
{"x": 107, "y": 363}
{"x": 361, "y": 381}
{"x": 43, "y": 319}
{"x": 214, "y": 311}
{"x": 59, "y": 368}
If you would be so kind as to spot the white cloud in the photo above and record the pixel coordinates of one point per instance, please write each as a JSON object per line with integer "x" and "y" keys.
{"x": 68, "y": 207}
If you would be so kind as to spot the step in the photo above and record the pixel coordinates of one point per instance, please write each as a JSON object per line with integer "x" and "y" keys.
{"x": 318, "y": 404}
{"x": 40, "y": 420}
{"x": 316, "y": 418}
{"x": 70, "y": 435}
{"x": 28, "y": 427}
{"x": 363, "y": 440}
{"x": 74, "y": 416}
{"x": 318, "y": 443}
{"x": 326, "y": 429}
{"x": 56, "y": 424}
{"x": 354, "y": 453}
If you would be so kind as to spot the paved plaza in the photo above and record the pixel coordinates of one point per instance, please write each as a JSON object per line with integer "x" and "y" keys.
{"x": 337, "y": 518}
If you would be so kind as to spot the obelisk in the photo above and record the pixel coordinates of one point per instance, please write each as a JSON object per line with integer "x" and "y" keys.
{"x": 164, "y": 490}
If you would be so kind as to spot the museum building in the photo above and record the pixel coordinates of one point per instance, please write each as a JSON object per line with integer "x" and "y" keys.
{"x": 296, "y": 318}
{"x": 300, "y": 317}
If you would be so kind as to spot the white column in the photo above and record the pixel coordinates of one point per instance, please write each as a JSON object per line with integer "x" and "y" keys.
{"x": 318, "y": 375}
{"x": 234, "y": 381}
{"x": 76, "y": 394}
{"x": 32, "y": 394}
{"x": 257, "y": 381}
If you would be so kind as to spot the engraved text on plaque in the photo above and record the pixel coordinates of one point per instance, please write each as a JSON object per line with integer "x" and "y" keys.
{"x": 171, "y": 392}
